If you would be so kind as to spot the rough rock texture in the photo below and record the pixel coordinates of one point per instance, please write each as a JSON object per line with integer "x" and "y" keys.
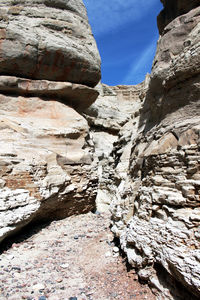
{"x": 113, "y": 117}
{"x": 140, "y": 155}
{"x": 76, "y": 95}
{"x": 156, "y": 208}
{"x": 48, "y": 39}
{"x": 46, "y": 164}
{"x": 46, "y": 155}
{"x": 173, "y": 9}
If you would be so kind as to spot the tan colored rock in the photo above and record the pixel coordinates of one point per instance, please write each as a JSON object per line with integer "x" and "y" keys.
{"x": 48, "y": 39}
{"x": 115, "y": 106}
{"x": 46, "y": 164}
{"x": 156, "y": 211}
{"x": 76, "y": 95}
{"x": 112, "y": 118}
{"x": 48, "y": 60}
{"x": 163, "y": 145}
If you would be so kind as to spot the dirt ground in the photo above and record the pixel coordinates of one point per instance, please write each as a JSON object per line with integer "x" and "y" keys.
{"x": 74, "y": 259}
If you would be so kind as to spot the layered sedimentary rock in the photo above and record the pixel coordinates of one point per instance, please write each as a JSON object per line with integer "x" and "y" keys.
{"x": 156, "y": 210}
{"x": 173, "y": 9}
{"x": 48, "y": 63}
{"x": 139, "y": 154}
{"x": 113, "y": 119}
{"x": 48, "y": 39}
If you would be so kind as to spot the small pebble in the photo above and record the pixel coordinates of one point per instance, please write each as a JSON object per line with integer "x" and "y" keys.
{"x": 39, "y": 286}
{"x": 97, "y": 213}
{"x": 115, "y": 249}
{"x": 17, "y": 269}
{"x": 108, "y": 254}
{"x": 42, "y": 298}
{"x": 64, "y": 266}
{"x": 114, "y": 295}
{"x": 116, "y": 255}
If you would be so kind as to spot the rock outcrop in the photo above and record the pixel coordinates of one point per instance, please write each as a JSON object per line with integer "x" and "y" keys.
{"x": 136, "y": 150}
{"x": 113, "y": 119}
{"x": 48, "y": 65}
{"x": 48, "y": 39}
{"x": 173, "y": 9}
{"x": 156, "y": 210}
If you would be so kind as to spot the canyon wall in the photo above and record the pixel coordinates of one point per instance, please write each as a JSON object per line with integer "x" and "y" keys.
{"x": 49, "y": 63}
{"x": 113, "y": 120}
{"x": 135, "y": 150}
{"x": 156, "y": 208}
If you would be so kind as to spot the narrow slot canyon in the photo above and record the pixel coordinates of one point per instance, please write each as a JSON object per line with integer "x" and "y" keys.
{"x": 100, "y": 185}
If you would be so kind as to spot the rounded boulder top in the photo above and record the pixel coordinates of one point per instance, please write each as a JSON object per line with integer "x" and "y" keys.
{"x": 48, "y": 39}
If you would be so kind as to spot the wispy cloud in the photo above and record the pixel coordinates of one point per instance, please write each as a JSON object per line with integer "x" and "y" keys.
{"x": 142, "y": 64}
{"x": 108, "y": 15}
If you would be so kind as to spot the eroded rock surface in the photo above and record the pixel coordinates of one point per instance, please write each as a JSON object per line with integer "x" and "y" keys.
{"x": 113, "y": 119}
{"x": 140, "y": 153}
{"x": 48, "y": 39}
{"x": 156, "y": 210}
{"x": 76, "y": 95}
{"x": 173, "y": 9}
{"x": 46, "y": 164}
{"x": 46, "y": 155}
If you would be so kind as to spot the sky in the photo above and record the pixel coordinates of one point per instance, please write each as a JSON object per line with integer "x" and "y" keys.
{"x": 126, "y": 34}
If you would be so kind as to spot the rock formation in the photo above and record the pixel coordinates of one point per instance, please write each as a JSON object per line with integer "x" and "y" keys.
{"x": 156, "y": 210}
{"x": 136, "y": 149}
{"x": 113, "y": 119}
{"x": 173, "y": 9}
{"x": 48, "y": 39}
{"x": 48, "y": 64}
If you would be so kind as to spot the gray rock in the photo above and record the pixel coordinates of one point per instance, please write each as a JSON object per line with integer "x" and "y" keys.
{"x": 173, "y": 9}
{"x": 155, "y": 207}
{"x": 46, "y": 39}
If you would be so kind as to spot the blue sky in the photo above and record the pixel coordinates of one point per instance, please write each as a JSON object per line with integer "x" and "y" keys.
{"x": 126, "y": 34}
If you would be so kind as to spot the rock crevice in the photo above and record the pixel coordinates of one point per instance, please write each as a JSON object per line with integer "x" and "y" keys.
{"x": 135, "y": 150}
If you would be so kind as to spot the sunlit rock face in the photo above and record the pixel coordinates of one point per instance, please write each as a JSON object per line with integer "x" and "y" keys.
{"x": 48, "y": 65}
{"x": 48, "y": 39}
{"x": 136, "y": 150}
{"x": 156, "y": 209}
{"x": 113, "y": 120}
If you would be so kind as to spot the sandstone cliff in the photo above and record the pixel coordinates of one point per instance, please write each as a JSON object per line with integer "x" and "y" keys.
{"x": 156, "y": 208}
{"x": 48, "y": 39}
{"x": 135, "y": 150}
{"x": 48, "y": 63}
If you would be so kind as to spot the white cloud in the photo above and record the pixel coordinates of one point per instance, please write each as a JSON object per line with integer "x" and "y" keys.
{"x": 108, "y": 15}
{"x": 144, "y": 60}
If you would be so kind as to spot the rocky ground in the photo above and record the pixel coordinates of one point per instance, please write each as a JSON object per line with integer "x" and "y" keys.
{"x": 74, "y": 258}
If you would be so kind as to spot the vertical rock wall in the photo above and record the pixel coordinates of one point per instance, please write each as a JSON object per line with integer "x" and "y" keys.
{"x": 156, "y": 211}
{"x": 139, "y": 155}
{"x": 113, "y": 120}
{"x": 48, "y": 61}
